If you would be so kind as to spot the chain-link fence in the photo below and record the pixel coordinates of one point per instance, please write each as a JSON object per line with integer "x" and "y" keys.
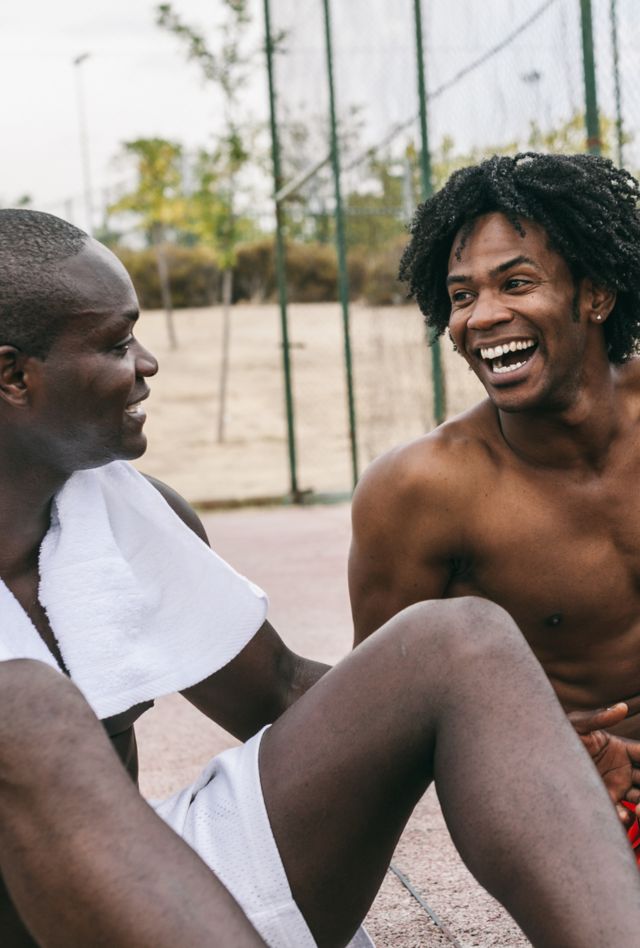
{"x": 498, "y": 77}
{"x": 318, "y": 390}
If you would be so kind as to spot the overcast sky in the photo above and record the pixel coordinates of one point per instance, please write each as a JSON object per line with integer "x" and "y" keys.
{"x": 136, "y": 84}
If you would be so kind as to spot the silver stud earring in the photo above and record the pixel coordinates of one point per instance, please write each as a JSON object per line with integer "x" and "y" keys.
{"x": 599, "y": 318}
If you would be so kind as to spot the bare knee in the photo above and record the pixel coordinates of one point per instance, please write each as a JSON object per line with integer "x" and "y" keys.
{"x": 459, "y": 631}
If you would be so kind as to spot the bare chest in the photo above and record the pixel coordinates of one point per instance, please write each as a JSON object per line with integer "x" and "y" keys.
{"x": 564, "y": 560}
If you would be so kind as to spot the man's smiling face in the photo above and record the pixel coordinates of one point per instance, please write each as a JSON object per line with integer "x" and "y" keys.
{"x": 515, "y": 315}
{"x": 85, "y": 395}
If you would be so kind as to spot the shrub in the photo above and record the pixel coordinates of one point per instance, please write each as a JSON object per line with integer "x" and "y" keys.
{"x": 254, "y": 275}
{"x": 381, "y": 285}
{"x": 193, "y": 275}
{"x": 312, "y": 274}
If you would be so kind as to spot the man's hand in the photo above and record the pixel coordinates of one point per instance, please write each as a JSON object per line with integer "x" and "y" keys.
{"x": 617, "y": 759}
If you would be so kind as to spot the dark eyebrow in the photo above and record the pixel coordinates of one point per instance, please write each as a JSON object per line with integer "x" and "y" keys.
{"x": 496, "y": 271}
{"x": 514, "y": 262}
{"x": 455, "y": 278}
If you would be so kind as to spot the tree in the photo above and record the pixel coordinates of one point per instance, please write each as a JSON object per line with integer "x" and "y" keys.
{"x": 217, "y": 221}
{"x": 158, "y": 202}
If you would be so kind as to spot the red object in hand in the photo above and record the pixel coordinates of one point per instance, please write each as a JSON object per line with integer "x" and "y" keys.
{"x": 633, "y": 833}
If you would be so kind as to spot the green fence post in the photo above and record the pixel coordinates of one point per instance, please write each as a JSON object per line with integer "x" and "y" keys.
{"x": 613, "y": 17}
{"x": 592, "y": 119}
{"x": 343, "y": 277}
{"x": 280, "y": 261}
{"x": 439, "y": 391}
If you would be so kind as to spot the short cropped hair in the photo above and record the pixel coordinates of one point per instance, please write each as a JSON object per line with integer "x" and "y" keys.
{"x": 33, "y": 296}
{"x": 587, "y": 206}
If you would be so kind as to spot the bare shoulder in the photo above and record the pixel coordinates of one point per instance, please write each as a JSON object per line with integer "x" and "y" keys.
{"x": 180, "y": 506}
{"x": 411, "y": 514}
{"x": 439, "y": 466}
{"x": 628, "y": 377}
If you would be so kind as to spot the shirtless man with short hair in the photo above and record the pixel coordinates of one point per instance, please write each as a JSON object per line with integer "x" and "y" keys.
{"x": 532, "y": 265}
{"x": 85, "y": 861}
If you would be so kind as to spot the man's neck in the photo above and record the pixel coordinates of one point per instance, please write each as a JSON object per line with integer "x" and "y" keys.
{"x": 25, "y": 508}
{"x": 576, "y": 436}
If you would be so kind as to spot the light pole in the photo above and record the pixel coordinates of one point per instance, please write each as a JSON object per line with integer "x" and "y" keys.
{"x": 84, "y": 140}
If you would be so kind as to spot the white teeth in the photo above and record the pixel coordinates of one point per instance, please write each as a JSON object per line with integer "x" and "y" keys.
{"x": 502, "y": 369}
{"x": 494, "y": 352}
{"x": 133, "y": 409}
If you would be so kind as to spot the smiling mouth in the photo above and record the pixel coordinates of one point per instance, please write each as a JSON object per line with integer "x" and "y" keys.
{"x": 134, "y": 409}
{"x": 508, "y": 356}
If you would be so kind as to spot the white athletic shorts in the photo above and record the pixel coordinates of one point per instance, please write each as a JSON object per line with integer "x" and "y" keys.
{"x": 223, "y": 817}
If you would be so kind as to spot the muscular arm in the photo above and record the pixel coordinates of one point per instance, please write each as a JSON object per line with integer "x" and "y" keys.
{"x": 402, "y": 539}
{"x": 262, "y": 680}
{"x": 257, "y": 686}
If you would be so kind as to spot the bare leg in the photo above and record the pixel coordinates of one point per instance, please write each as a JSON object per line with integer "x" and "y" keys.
{"x": 448, "y": 690}
{"x": 85, "y": 859}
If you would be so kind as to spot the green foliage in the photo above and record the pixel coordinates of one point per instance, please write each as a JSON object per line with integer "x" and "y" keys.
{"x": 212, "y": 214}
{"x": 157, "y": 198}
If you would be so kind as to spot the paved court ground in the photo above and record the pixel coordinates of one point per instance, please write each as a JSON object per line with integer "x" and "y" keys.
{"x": 298, "y": 555}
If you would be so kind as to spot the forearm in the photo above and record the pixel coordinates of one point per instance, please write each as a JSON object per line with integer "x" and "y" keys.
{"x": 256, "y": 687}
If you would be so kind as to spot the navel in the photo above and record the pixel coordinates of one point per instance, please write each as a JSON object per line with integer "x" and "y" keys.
{"x": 554, "y": 619}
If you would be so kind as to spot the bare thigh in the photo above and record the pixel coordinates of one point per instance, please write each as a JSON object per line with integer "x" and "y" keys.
{"x": 450, "y": 691}
{"x": 343, "y": 769}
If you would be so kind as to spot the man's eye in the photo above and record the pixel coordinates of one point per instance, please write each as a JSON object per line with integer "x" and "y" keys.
{"x": 515, "y": 283}
{"x": 123, "y": 347}
{"x": 460, "y": 296}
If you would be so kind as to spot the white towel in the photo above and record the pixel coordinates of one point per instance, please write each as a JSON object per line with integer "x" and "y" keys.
{"x": 140, "y": 606}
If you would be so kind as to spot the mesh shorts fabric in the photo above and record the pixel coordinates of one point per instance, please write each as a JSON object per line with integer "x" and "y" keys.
{"x": 223, "y": 817}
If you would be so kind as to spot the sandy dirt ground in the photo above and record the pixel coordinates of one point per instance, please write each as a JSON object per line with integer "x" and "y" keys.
{"x": 392, "y": 380}
{"x": 299, "y": 554}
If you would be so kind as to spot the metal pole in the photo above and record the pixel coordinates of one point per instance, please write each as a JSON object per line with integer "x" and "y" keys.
{"x": 281, "y": 261}
{"x": 343, "y": 278}
{"x": 592, "y": 120}
{"x": 439, "y": 391}
{"x": 84, "y": 140}
{"x": 613, "y": 16}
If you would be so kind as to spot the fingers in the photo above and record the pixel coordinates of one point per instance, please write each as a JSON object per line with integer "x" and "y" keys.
{"x": 625, "y": 816}
{"x": 586, "y": 721}
{"x": 633, "y": 793}
{"x": 633, "y": 751}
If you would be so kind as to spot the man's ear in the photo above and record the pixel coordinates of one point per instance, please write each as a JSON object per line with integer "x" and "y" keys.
{"x": 598, "y": 301}
{"x": 13, "y": 383}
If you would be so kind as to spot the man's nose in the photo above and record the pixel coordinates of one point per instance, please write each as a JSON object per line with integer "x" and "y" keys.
{"x": 146, "y": 362}
{"x": 488, "y": 312}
